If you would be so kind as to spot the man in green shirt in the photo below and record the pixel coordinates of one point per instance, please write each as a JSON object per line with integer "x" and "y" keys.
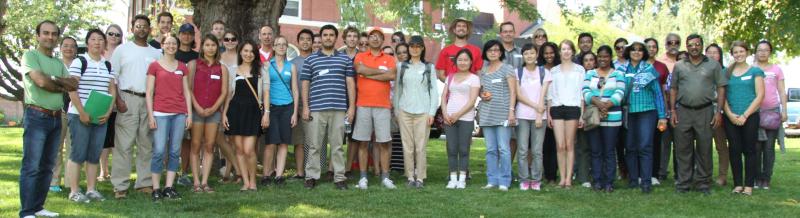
{"x": 45, "y": 80}
{"x": 694, "y": 82}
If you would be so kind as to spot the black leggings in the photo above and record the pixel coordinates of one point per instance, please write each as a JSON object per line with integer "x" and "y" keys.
{"x": 742, "y": 141}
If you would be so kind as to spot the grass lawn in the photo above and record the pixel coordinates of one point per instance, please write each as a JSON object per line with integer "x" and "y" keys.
{"x": 432, "y": 201}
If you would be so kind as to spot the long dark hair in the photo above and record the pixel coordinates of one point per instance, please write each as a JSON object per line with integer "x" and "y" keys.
{"x": 719, "y": 49}
{"x": 255, "y": 66}
{"x": 556, "y": 58}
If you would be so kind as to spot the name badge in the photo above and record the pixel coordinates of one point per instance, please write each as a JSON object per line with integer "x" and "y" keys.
{"x": 496, "y": 80}
{"x": 383, "y": 68}
{"x": 323, "y": 72}
{"x": 178, "y": 72}
{"x": 629, "y": 75}
{"x": 517, "y": 56}
{"x": 747, "y": 77}
{"x": 214, "y": 76}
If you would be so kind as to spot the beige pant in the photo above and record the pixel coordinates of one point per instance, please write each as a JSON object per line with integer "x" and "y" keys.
{"x": 66, "y": 144}
{"x": 325, "y": 125}
{"x": 131, "y": 128}
{"x": 414, "y": 132}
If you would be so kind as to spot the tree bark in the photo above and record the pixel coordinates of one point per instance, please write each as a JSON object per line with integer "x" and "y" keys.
{"x": 244, "y": 17}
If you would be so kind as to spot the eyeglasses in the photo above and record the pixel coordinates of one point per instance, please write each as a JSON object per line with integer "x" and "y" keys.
{"x": 694, "y": 45}
{"x": 673, "y": 42}
{"x": 619, "y": 47}
{"x": 280, "y": 45}
{"x": 494, "y": 50}
{"x": 229, "y": 39}
{"x": 140, "y": 26}
{"x": 114, "y": 34}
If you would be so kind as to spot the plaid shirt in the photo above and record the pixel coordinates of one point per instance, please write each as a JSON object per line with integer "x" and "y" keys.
{"x": 643, "y": 92}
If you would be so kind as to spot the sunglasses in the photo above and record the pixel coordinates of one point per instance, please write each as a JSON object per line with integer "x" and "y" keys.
{"x": 619, "y": 47}
{"x": 114, "y": 34}
{"x": 637, "y": 49}
{"x": 539, "y": 36}
{"x": 227, "y": 39}
{"x": 601, "y": 82}
{"x": 673, "y": 42}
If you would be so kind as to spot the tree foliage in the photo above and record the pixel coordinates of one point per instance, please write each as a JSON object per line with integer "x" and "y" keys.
{"x": 18, "y": 25}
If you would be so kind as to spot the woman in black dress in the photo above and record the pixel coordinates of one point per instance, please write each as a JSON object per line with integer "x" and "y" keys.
{"x": 243, "y": 112}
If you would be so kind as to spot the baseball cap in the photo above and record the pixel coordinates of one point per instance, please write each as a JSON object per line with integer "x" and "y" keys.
{"x": 186, "y": 27}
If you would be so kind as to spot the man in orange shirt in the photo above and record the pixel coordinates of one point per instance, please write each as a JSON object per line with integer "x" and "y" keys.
{"x": 373, "y": 106}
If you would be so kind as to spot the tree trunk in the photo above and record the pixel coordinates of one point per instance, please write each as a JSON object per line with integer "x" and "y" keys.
{"x": 244, "y": 17}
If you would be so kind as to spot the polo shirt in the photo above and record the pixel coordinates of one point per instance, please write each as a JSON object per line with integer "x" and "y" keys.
{"x": 513, "y": 57}
{"x": 49, "y": 66}
{"x": 327, "y": 77}
{"x": 370, "y": 92}
{"x": 130, "y": 61}
{"x": 697, "y": 84}
{"x": 447, "y": 59}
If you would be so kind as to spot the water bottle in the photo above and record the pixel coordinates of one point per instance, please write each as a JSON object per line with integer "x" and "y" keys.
{"x": 347, "y": 127}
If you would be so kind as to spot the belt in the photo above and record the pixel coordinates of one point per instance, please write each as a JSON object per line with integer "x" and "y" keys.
{"x": 696, "y": 107}
{"x": 140, "y": 94}
{"x": 53, "y": 113}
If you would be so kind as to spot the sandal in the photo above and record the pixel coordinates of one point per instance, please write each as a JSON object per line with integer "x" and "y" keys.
{"x": 207, "y": 189}
{"x": 737, "y": 190}
{"x": 748, "y": 191}
{"x": 197, "y": 189}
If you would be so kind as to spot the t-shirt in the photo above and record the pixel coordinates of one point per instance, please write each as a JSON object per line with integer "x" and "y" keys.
{"x": 95, "y": 78}
{"x": 495, "y": 112}
{"x": 155, "y": 44}
{"x": 168, "y": 91}
{"x": 447, "y": 59}
{"x": 459, "y": 92}
{"x": 264, "y": 56}
{"x": 186, "y": 56}
{"x": 531, "y": 88}
{"x": 49, "y": 66}
{"x": 327, "y": 76}
{"x": 663, "y": 72}
{"x": 697, "y": 84}
{"x": 370, "y": 92}
{"x": 667, "y": 62}
{"x": 772, "y": 75}
{"x": 207, "y": 83}
{"x": 742, "y": 90}
{"x": 131, "y": 62}
{"x": 566, "y": 88}
{"x": 280, "y": 90}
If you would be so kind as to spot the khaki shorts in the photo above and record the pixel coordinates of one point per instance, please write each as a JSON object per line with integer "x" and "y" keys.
{"x": 373, "y": 118}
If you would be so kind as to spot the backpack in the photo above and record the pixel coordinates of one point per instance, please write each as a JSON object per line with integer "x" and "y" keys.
{"x": 84, "y": 66}
{"x": 541, "y": 75}
{"x": 426, "y": 74}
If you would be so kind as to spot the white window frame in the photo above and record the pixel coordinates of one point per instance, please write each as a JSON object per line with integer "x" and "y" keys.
{"x": 299, "y": 11}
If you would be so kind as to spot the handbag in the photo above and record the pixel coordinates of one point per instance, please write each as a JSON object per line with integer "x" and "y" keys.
{"x": 591, "y": 116}
{"x": 770, "y": 119}
{"x": 260, "y": 105}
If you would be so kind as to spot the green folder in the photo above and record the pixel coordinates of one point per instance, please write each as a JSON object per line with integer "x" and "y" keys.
{"x": 97, "y": 105}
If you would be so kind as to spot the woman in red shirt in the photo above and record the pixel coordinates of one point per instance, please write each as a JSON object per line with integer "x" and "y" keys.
{"x": 211, "y": 78}
{"x": 168, "y": 105}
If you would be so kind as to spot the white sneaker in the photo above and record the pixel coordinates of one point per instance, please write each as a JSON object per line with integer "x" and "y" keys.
{"x": 95, "y": 195}
{"x": 78, "y": 197}
{"x": 586, "y": 185}
{"x": 654, "y": 181}
{"x": 388, "y": 183}
{"x": 451, "y": 184}
{"x": 488, "y": 186}
{"x": 461, "y": 184}
{"x": 503, "y": 188}
{"x": 362, "y": 183}
{"x": 46, "y": 213}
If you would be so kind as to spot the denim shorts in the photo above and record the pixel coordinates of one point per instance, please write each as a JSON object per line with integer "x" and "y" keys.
{"x": 216, "y": 117}
{"x": 87, "y": 140}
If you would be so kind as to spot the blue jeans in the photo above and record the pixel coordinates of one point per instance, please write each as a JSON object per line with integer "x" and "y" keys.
{"x": 498, "y": 154}
{"x": 169, "y": 131}
{"x": 87, "y": 140}
{"x": 603, "y": 141}
{"x": 40, "y": 144}
{"x": 639, "y": 146}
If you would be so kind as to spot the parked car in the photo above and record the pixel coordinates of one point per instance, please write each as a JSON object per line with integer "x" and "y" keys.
{"x": 793, "y": 112}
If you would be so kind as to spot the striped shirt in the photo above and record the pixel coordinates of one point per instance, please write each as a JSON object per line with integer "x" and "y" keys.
{"x": 643, "y": 91}
{"x": 97, "y": 77}
{"x": 327, "y": 77}
{"x": 613, "y": 87}
{"x": 495, "y": 112}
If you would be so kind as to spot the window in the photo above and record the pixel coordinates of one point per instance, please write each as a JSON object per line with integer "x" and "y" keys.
{"x": 292, "y": 8}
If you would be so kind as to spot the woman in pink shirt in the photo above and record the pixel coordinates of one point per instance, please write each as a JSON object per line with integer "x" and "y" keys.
{"x": 458, "y": 109}
{"x": 211, "y": 79}
{"x": 168, "y": 104}
{"x": 775, "y": 103}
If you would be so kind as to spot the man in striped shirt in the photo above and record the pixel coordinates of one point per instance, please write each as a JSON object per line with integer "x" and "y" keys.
{"x": 328, "y": 90}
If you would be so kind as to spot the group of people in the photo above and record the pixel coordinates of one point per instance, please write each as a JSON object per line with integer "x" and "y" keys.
{"x": 564, "y": 111}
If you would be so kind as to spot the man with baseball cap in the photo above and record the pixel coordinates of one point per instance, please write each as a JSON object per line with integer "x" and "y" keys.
{"x": 373, "y": 107}
{"x": 446, "y": 64}
{"x": 185, "y": 51}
